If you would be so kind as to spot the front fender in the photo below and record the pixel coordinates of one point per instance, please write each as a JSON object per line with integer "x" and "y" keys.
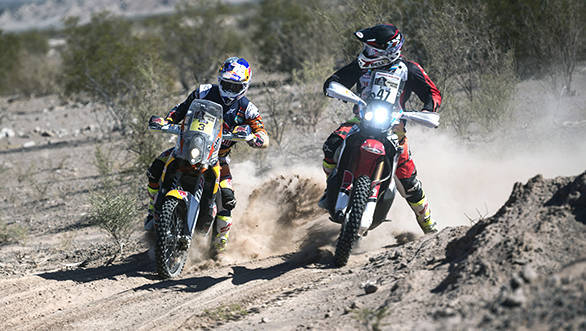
{"x": 180, "y": 195}
{"x": 371, "y": 153}
{"x": 191, "y": 201}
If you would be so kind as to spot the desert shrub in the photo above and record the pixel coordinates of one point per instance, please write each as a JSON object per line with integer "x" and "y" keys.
{"x": 11, "y": 233}
{"x": 198, "y": 38}
{"x": 107, "y": 61}
{"x": 549, "y": 41}
{"x": 115, "y": 212}
{"x": 24, "y": 67}
{"x": 113, "y": 207}
{"x": 476, "y": 76}
{"x": 357, "y": 14}
{"x": 311, "y": 100}
{"x": 144, "y": 144}
{"x": 287, "y": 33}
{"x": 276, "y": 104}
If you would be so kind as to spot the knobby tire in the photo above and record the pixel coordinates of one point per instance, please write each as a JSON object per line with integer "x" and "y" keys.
{"x": 169, "y": 259}
{"x": 349, "y": 233}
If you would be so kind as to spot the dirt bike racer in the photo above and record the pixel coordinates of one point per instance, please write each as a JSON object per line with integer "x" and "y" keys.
{"x": 233, "y": 81}
{"x": 382, "y": 50}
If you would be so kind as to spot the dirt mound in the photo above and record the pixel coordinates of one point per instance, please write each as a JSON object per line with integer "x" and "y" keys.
{"x": 522, "y": 267}
{"x": 542, "y": 225}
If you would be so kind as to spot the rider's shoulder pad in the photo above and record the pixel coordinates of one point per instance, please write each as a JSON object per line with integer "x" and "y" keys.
{"x": 204, "y": 89}
{"x": 251, "y": 111}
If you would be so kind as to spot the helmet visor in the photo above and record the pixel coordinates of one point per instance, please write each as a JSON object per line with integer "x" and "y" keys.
{"x": 232, "y": 87}
{"x": 372, "y": 52}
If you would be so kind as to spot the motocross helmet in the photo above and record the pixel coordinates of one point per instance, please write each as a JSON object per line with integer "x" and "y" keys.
{"x": 233, "y": 78}
{"x": 382, "y": 46}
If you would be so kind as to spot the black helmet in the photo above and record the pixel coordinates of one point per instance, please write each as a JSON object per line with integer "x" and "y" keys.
{"x": 382, "y": 45}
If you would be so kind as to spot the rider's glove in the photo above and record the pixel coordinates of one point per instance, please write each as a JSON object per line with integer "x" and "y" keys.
{"x": 256, "y": 142}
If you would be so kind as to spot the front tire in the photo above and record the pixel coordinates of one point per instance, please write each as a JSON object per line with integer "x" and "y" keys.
{"x": 169, "y": 258}
{"x": 349, "y": 233}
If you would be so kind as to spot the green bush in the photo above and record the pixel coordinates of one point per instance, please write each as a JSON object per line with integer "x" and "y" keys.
{"x": 106, "y": 60}
{"x": 198, "y": 38}
{"x": 287, "y": 33}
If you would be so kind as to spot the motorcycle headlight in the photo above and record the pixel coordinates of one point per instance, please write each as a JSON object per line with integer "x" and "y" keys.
{"x": 195, "y": 156}
{"x": 368, "y": 116}
{"x": 377, "y": 116}
{"x": 197, "y": 150}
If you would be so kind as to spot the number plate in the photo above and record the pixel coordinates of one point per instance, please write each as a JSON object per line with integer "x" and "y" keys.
{"x": 385, "y": 87}
{"x": 205, "y": 125}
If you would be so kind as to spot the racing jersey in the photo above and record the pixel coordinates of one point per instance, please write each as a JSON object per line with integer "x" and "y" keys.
{"x": 416, "y": 81}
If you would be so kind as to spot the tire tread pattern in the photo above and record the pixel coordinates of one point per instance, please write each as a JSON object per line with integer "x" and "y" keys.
{"x": 349, "y": 233}
{"x": 164, "y": 225}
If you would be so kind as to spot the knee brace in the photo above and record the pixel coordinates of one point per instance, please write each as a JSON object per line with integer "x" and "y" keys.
{"x": 228, "y": 198}
{"x": 412, "y": 189}
{"x": 331, "y": 145}
{"x": 155, "y": 171}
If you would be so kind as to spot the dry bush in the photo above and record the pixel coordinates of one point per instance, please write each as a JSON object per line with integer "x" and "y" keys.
{"x": 143, "y": 143}
{"x": 11, "y": 233}
{"x": 197, "y": 38}
{"x": 546, "y": 36}
{"x": 276, "y": 104}
{"x": 25, "y": 67}
{"x": 115, "y": 212}
{"x": 106, "y": 60}
{"x": 474, "y": 74}
{"x": 287, "y": 33}
{"x": 114, "y": 207}
{"x": 311, "y": 101}
{"x": 36, "y": 74}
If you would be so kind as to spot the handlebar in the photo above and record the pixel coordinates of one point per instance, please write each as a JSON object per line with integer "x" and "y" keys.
{"x": 239, "y": 133}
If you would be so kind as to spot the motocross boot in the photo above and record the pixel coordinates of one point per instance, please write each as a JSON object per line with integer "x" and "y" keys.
{"x": 149, "y": 222}
{"x": 328, "y": 167}
{"x": 423, "y": 215}
{"x": 223, "y": 224}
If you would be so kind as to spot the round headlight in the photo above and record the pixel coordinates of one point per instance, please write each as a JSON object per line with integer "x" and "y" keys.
{"x": 380, "y": 114}
{"x": 195, "y": 155}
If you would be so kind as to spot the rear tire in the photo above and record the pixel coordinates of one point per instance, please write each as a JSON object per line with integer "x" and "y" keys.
{"x": 349, "y": 233}
{"x": 169, "y": 259}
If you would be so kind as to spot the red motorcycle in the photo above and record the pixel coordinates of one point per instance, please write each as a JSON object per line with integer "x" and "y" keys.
{"x": 361, "y": 189}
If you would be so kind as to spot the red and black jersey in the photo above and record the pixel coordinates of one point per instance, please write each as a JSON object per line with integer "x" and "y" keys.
{"x": 418, "y": 82}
